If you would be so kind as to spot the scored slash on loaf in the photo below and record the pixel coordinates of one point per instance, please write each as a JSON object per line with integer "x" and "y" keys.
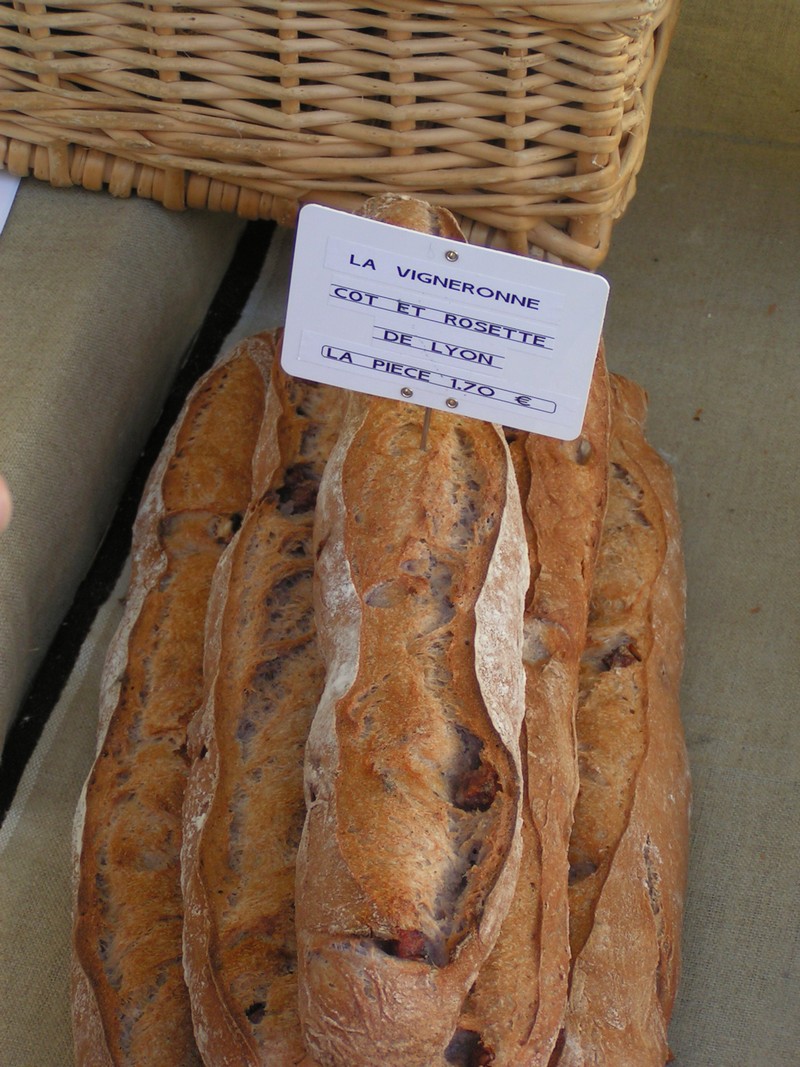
{"x": 390, "y": 764}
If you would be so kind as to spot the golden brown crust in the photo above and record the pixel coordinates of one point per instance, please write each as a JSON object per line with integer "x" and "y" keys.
{"x": 516, "y": 1007}
{"x": 411, "y": 844}
{"x": 412, "y": 214}
{"x": 628, "y": 851}
{"x": 129, "y": 1002}
{"x": 244, "y": 805}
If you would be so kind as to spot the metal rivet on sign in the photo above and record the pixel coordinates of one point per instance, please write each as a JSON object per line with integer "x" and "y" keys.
{"x": 451, "y": 403}
{"x": 405, "y": 391}
{"x": 451, "y": 255}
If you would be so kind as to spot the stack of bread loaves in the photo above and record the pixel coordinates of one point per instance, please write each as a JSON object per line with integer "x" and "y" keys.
{"x": 390, "y": 766}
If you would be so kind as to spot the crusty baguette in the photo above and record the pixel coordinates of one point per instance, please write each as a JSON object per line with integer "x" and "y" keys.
{"x": 130, "y": 1005}
{"x": 244, "y": 805}
{"x": 628, "y": 852}
{"x": 516, "y": 1007}
{"x": 411, "y": 845}
{"x": 413, "y": 777}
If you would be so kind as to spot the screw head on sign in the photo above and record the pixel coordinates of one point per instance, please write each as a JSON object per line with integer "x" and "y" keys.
{"x": 451, "y": 255}
{"x": 405, "y": 391}
{"x": 451, "y": 403}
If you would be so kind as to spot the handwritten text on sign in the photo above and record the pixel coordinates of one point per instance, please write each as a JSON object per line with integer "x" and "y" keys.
{"x": 400, "y": 314}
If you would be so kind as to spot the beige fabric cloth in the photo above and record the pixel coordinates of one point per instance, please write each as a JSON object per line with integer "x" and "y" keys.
{"x": 704, "y": 313}
{"x": 35, "y": 867}
{"x": 99, "y": 299}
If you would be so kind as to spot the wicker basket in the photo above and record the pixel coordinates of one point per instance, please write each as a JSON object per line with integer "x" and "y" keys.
{"x": 529, "y": 122}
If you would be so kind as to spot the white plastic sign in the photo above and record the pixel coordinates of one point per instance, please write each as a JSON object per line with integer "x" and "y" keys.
{"x": 9, "y": 183}
{"x": 383, "y": 310}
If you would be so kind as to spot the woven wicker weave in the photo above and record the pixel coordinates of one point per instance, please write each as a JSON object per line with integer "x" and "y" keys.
{"x": 529, "y": 122}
